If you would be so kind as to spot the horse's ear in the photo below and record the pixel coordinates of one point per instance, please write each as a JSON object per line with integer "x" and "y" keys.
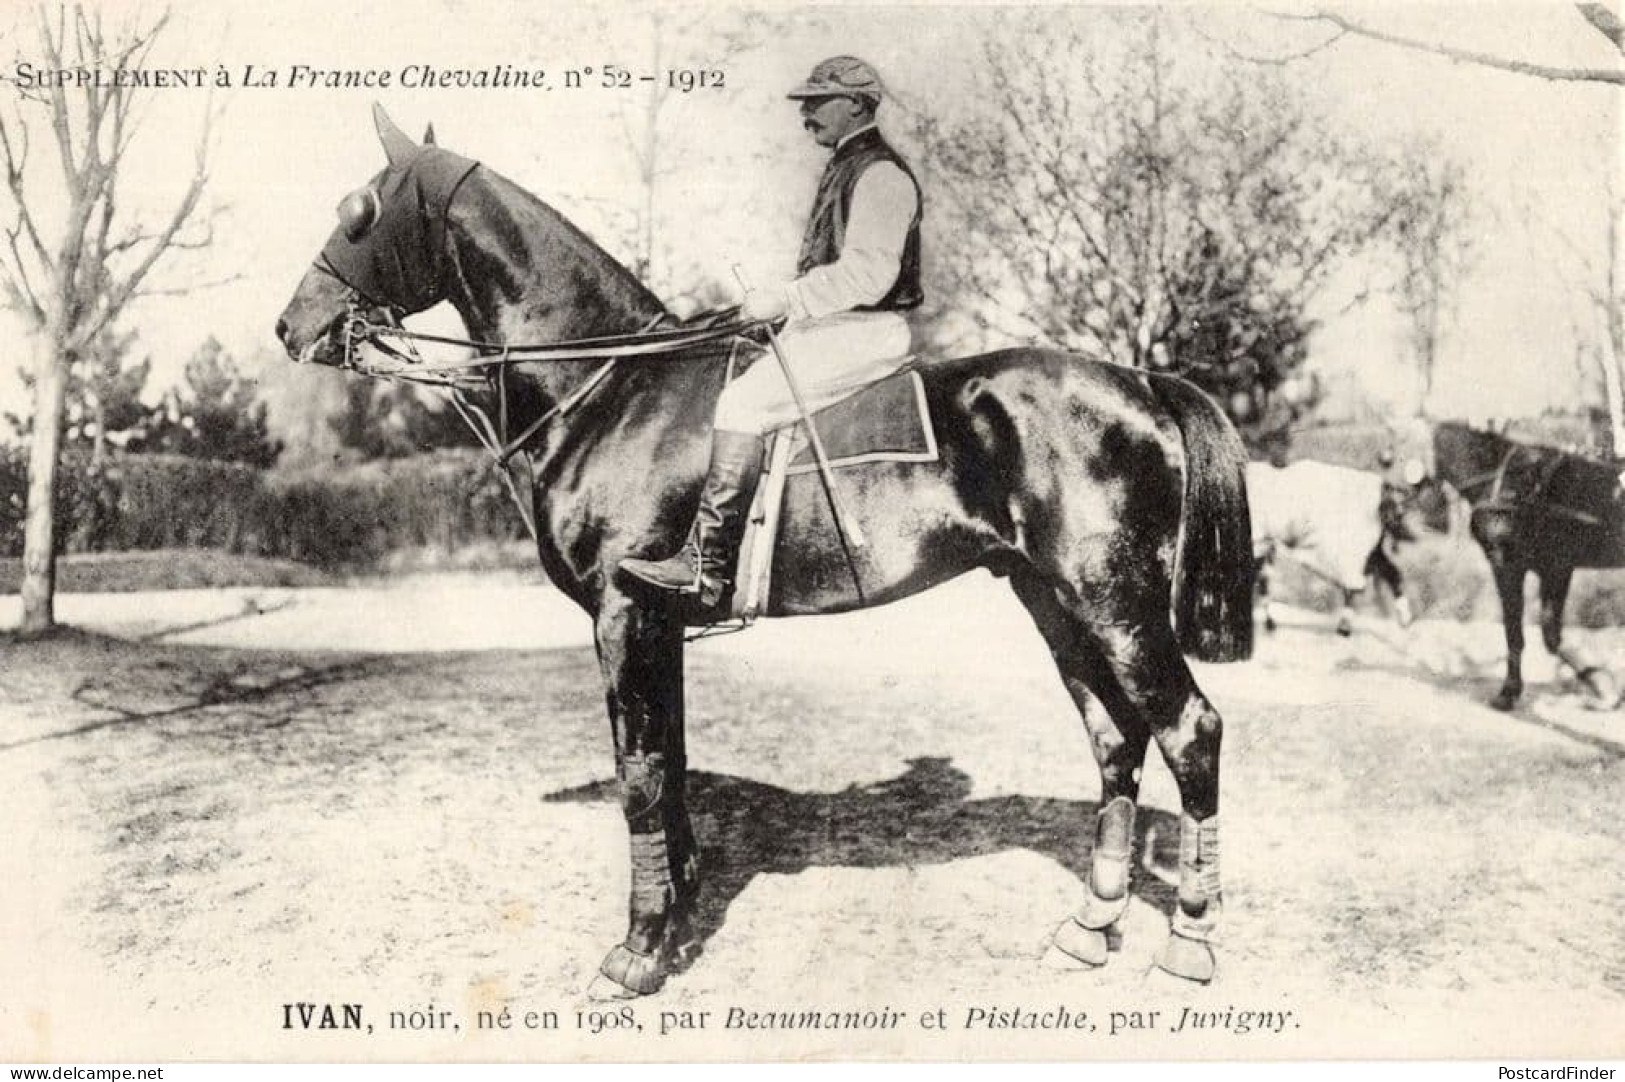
{"x": 428, "y": 136}
{"x": 398, "y": 146}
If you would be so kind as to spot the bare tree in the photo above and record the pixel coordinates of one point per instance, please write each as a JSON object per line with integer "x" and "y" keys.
{"x": 69, "y": 275}
{"x": 1602, "y": 19}
{"x": 1431, "y": 239}
{"x": 103, "y": 397}
{"x": 1594, "y": 282}
{"x": 1610, "y": 302}
{"x": 1604, "y": 291}
{"x": 1110, "y": 195}
{"x": 697, "y": 45}
{"x": 1598, "y": 16}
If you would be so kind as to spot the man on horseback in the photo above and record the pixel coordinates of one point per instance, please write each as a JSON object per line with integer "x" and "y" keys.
{"x": 858, "y": 272}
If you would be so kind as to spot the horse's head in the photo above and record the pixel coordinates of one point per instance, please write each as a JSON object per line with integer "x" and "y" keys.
{"x": 1412, "y": 500}
{"x": 1466, "y": 457}
{"x": 385, "y": 259}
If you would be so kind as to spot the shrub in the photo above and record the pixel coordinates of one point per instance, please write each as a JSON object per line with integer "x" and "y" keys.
{"x": 355, "y": 516}
{"x": 341, "y": 518}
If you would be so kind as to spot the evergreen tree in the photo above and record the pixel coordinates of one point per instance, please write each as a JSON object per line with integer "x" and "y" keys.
{"x": 215, "y": 414}
{"x": 103, "y": 405}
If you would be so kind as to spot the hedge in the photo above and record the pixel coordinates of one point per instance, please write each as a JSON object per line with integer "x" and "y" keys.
{"x": 340, "y": 518}
{"x": 348, "y": 518}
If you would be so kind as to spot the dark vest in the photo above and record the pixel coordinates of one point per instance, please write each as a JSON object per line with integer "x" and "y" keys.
{"x": 826, "y": 226}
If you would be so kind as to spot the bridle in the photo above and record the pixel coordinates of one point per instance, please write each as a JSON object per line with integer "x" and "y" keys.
{"x": 1498, "y": 499}
{"x": 401, "y": 361}
{"x": 370, "y": 320}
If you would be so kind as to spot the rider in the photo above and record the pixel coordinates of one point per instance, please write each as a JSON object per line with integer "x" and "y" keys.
{"x": 1397, "y": 482}
{"x": 859, "y": 270}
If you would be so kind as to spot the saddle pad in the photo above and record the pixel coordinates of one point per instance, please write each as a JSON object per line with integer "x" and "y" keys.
{"x": 885, "y": 422}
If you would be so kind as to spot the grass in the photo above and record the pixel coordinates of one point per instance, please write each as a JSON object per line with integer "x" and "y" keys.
{"x": 200, "y": 568}
{"x": 166, "y": 569}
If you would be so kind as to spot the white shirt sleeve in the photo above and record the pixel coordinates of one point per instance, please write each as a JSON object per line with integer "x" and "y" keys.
{"x": 883, "y": 207}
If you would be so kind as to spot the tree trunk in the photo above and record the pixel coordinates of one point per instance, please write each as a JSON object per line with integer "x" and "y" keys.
{"x": 1614, "y": 384}
{"x": 39, "y": 532}
{"x": 1613, "y": 365}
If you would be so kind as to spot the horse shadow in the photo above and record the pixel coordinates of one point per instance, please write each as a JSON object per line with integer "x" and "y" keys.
{"x": 923, "y": 816}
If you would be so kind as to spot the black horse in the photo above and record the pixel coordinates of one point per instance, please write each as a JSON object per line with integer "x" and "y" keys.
{"x": 1113, "y": 500}
{"x": 1535, "y": 509}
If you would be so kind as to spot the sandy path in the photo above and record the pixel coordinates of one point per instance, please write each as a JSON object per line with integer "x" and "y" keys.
{"x": 217, "y": 821}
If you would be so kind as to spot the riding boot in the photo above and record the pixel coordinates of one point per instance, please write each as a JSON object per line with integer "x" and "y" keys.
{"x": 704, "y": 567}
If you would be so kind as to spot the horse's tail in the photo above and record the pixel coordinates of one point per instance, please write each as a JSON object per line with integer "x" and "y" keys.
{"x": 1213, "y": 565}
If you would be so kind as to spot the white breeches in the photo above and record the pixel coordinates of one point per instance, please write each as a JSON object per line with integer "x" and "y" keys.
{"x": 832, "y": 357}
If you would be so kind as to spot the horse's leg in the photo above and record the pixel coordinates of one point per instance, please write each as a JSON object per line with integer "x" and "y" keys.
{"x": 1119, "y": 751}
{"x": 641, "y": 653}
{"x": 1262, "y": 566}
{"x": 1509, "y": 584}
{"x": 1345, "y": 613}
{"x": 1152, "y": 674}
{"x": 1554, "y": 594}
{"x": 1381, "y": 567}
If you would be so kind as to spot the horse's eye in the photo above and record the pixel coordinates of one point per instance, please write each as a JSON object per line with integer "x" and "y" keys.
{"x": 358, "y": 213}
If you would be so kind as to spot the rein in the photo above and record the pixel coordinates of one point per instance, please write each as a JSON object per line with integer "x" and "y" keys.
{"x": 646, "y": 342}
{"x": 493, "y": 359}
{"x": 1499, "y": 500}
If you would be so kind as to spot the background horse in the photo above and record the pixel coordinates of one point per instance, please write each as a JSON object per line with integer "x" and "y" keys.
{"x": 1333, "y": 521}
{"x": 1542, "y": 510}
{"x": 1113, "y": 499}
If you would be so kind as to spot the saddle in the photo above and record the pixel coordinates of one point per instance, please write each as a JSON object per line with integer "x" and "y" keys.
{"x": 1564, "y": 484}
{"x": 888, "y": 421}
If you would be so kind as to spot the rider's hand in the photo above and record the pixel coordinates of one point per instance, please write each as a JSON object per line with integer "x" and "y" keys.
{"x": 765, "y": 305}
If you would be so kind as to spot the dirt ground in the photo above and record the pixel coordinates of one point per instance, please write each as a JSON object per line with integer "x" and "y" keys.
{"x": 227, "y": 801}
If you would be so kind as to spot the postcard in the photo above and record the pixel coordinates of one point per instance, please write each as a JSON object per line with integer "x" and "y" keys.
{"x": 703, "y": 532}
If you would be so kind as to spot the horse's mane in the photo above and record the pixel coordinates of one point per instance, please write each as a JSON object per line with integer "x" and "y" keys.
{"x": 541, "y": 224}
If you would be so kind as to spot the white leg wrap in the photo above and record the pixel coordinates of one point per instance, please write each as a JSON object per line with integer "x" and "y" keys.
{"x": 1096, "y": 913}
{"x": 1197, "y": 914}
{"x": 1106, "y": 892}
{"x": 1199, "y": 856}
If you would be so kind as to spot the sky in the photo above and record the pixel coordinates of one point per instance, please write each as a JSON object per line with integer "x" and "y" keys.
{"x": 1540, "y": 154}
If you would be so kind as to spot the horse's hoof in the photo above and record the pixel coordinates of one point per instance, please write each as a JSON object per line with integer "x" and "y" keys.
{"x": 1189, "y": 959}
{"x": 1345, "y": 627}
{"x": 683, "y": 946}
{"x": 1073, "y": 946}
{"x": 639, "y": 974}
{"x": 1504, "y": 700}
{"x": 1602, "y": 691}
{"x": 604, "y": 990}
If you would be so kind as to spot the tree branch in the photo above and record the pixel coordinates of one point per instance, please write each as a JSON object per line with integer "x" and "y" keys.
{"x": 1281, "y": 60}
{"x": 188, "y": 290}
{"x": 58, "y": 98}
{"x": 16, "y": 162}
{"x": 1605, "y": 22}
{"x": 1464, "y": 56}
{"x": 118, "y": 296}
{"x": 19, "y": 289}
